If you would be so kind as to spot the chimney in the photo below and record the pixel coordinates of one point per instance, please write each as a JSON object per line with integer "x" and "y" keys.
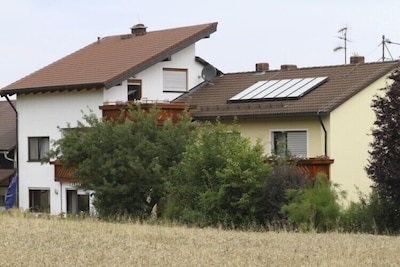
{"x": 357, "y": 60}
{"x": 288, "y": 67}
{"x": 138, "y": 29}
{"x": 262, "y": 66}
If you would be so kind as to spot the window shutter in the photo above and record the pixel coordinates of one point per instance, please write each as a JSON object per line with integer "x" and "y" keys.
{"x": 174, "y": 80}
{"x": 297, "y": 143}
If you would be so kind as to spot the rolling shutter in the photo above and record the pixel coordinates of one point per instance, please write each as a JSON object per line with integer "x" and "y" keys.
{"x": 297, "y": 143}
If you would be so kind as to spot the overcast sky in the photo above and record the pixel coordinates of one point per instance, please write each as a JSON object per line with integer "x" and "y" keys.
{"x": 35, "y": 33}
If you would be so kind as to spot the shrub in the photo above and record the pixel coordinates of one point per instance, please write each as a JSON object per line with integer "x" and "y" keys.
{"x": 284, "y": 176}
{"x": 315, "y": 207}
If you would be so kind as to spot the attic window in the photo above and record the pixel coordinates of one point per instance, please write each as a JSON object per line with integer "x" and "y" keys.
{"x": 279, "y": 89}
{"x": 174, "y": 80}
{"x": 134, "y": 90}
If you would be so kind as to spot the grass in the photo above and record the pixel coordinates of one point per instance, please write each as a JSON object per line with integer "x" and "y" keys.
{"x": 30, "y": 241}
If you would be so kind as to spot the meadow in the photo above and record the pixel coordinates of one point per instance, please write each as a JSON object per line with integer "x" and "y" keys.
{"x": 45, "y": 241}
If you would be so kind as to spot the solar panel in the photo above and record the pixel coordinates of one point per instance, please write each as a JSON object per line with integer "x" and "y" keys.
{"x": 277, "y": 89}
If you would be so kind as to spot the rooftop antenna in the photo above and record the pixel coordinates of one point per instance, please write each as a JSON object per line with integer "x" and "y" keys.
{"x": 343, "y": 31}
{"x": 384, "y": 45}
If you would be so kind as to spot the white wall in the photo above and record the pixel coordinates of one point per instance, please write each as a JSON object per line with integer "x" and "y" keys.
{"x": 40, "y": 115}
{"x": 152, "y": 78}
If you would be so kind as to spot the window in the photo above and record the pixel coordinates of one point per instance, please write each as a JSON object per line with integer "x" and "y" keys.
{"x": 175, "y": 80}
{"x": 39, "y": 200}
{"x": 134, "y": 90}
{"x": 77, "y": 203}
{"x": 38, "y": 148}
{"x": 286, "y": 143}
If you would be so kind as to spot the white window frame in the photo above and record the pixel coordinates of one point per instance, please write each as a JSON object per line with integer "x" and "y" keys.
{"x": 272, "y": 141}
{"x": 175, "y": 80}
{"x": 138, "y": 84}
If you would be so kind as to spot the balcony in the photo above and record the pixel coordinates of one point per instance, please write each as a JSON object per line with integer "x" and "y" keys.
{"x": 312, "y": 166}
{"x": 168, "y": 110}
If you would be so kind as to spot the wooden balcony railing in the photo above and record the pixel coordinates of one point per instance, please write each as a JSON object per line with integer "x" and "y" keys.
{"x": 312, "y": 166}
{"x": 168, "y": 110}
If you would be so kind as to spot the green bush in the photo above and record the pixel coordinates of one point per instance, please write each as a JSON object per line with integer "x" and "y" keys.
{"x": 284, "y": 176}
{"x": 315, "y": 207}
{"x": 219, "y": 180}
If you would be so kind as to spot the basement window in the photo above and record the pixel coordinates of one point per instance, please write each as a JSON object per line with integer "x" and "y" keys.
{"x": 174, "y": 80}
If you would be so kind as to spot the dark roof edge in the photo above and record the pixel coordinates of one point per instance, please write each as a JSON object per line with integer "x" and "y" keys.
{"x": 158, "y": 58}
{"x": 52, "y": 89}
{"x": 260, "y": 116}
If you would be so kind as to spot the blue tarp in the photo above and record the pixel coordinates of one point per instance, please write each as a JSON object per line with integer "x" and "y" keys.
{"x": 11, "y": 193}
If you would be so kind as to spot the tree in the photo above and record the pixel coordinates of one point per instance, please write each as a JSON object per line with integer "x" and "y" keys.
{"x": 383, "y": 167}
{"x": 124, "y": 161}
{"x": 219, "y": 180}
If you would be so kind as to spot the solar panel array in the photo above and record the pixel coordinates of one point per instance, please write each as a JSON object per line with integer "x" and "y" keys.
{"x": 277, "y": 89}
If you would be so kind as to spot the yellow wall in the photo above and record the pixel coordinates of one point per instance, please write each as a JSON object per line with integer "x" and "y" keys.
{"x": 261, "y": 129}
{"x": 350, "y": 130}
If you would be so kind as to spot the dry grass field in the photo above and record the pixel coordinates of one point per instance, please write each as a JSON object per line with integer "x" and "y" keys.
{"x": 61, "y": 242}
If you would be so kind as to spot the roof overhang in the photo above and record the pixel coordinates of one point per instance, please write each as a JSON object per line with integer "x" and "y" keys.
{"x": 58, "y": 88}
{"x": 5, "y": 175}
{"x": 258, "y": 116}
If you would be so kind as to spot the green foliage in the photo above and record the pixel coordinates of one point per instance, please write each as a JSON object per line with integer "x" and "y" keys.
{"x": 314, "y": 207}
{"x": 285, "y": 176}
{"x": 125, "y": 161}
{"x": 219, "y": 180}
{"x": 383, "y": 167}
{"x": 358, "y": 216}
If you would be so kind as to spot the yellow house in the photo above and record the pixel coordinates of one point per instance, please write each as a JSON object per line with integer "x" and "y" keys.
{"x": 310, "y": 112}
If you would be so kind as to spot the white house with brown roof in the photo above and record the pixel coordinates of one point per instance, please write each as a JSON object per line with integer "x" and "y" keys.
{"x": 139, "y": 65}
{"x": 307, "y": 111}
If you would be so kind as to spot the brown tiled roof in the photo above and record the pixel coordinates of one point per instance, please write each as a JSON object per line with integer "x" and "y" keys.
{"x": 8, "y": 129}
{"x": 110, "y": 60}
{"x": 343, "y": 82}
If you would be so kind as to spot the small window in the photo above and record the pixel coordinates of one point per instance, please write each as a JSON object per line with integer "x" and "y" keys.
{"x": 289, "y": 143}
{"x": 134, "y": 90}
{"x": 175, "y": 80}
{"x": 38, "y": 148}
{"x": 39, "y": 200}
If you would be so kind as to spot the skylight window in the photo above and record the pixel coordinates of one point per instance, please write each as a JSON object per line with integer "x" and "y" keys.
{"x": 279, "y": 89}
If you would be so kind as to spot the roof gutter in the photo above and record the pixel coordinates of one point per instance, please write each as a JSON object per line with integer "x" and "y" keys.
{"x": 16, "y": 165}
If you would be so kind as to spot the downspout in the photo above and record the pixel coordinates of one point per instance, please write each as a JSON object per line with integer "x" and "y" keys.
{"x": 16, "y": 149}
{"x": 325, "y": 135}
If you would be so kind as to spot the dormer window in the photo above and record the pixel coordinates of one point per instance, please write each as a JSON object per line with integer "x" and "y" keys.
{"x": 134, "y": 89}
{"x": 174, "y": 80}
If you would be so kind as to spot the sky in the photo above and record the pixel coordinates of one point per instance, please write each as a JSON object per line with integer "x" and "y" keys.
{"x": 35, "y": 33}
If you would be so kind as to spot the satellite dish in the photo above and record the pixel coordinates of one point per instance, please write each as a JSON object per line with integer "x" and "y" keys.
{"x": 208, "y": 73}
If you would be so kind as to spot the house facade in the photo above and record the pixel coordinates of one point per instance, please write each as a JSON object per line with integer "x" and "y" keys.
{"x": 305, "y": 112}
{"x": 8, "y": 143}
{"x": 154, "y": 66}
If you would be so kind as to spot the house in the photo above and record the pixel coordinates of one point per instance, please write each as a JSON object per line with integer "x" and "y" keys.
{"x": 308, "y": 112}
{"x": 8, "y": 141}
{"x": 139, "y": 65}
